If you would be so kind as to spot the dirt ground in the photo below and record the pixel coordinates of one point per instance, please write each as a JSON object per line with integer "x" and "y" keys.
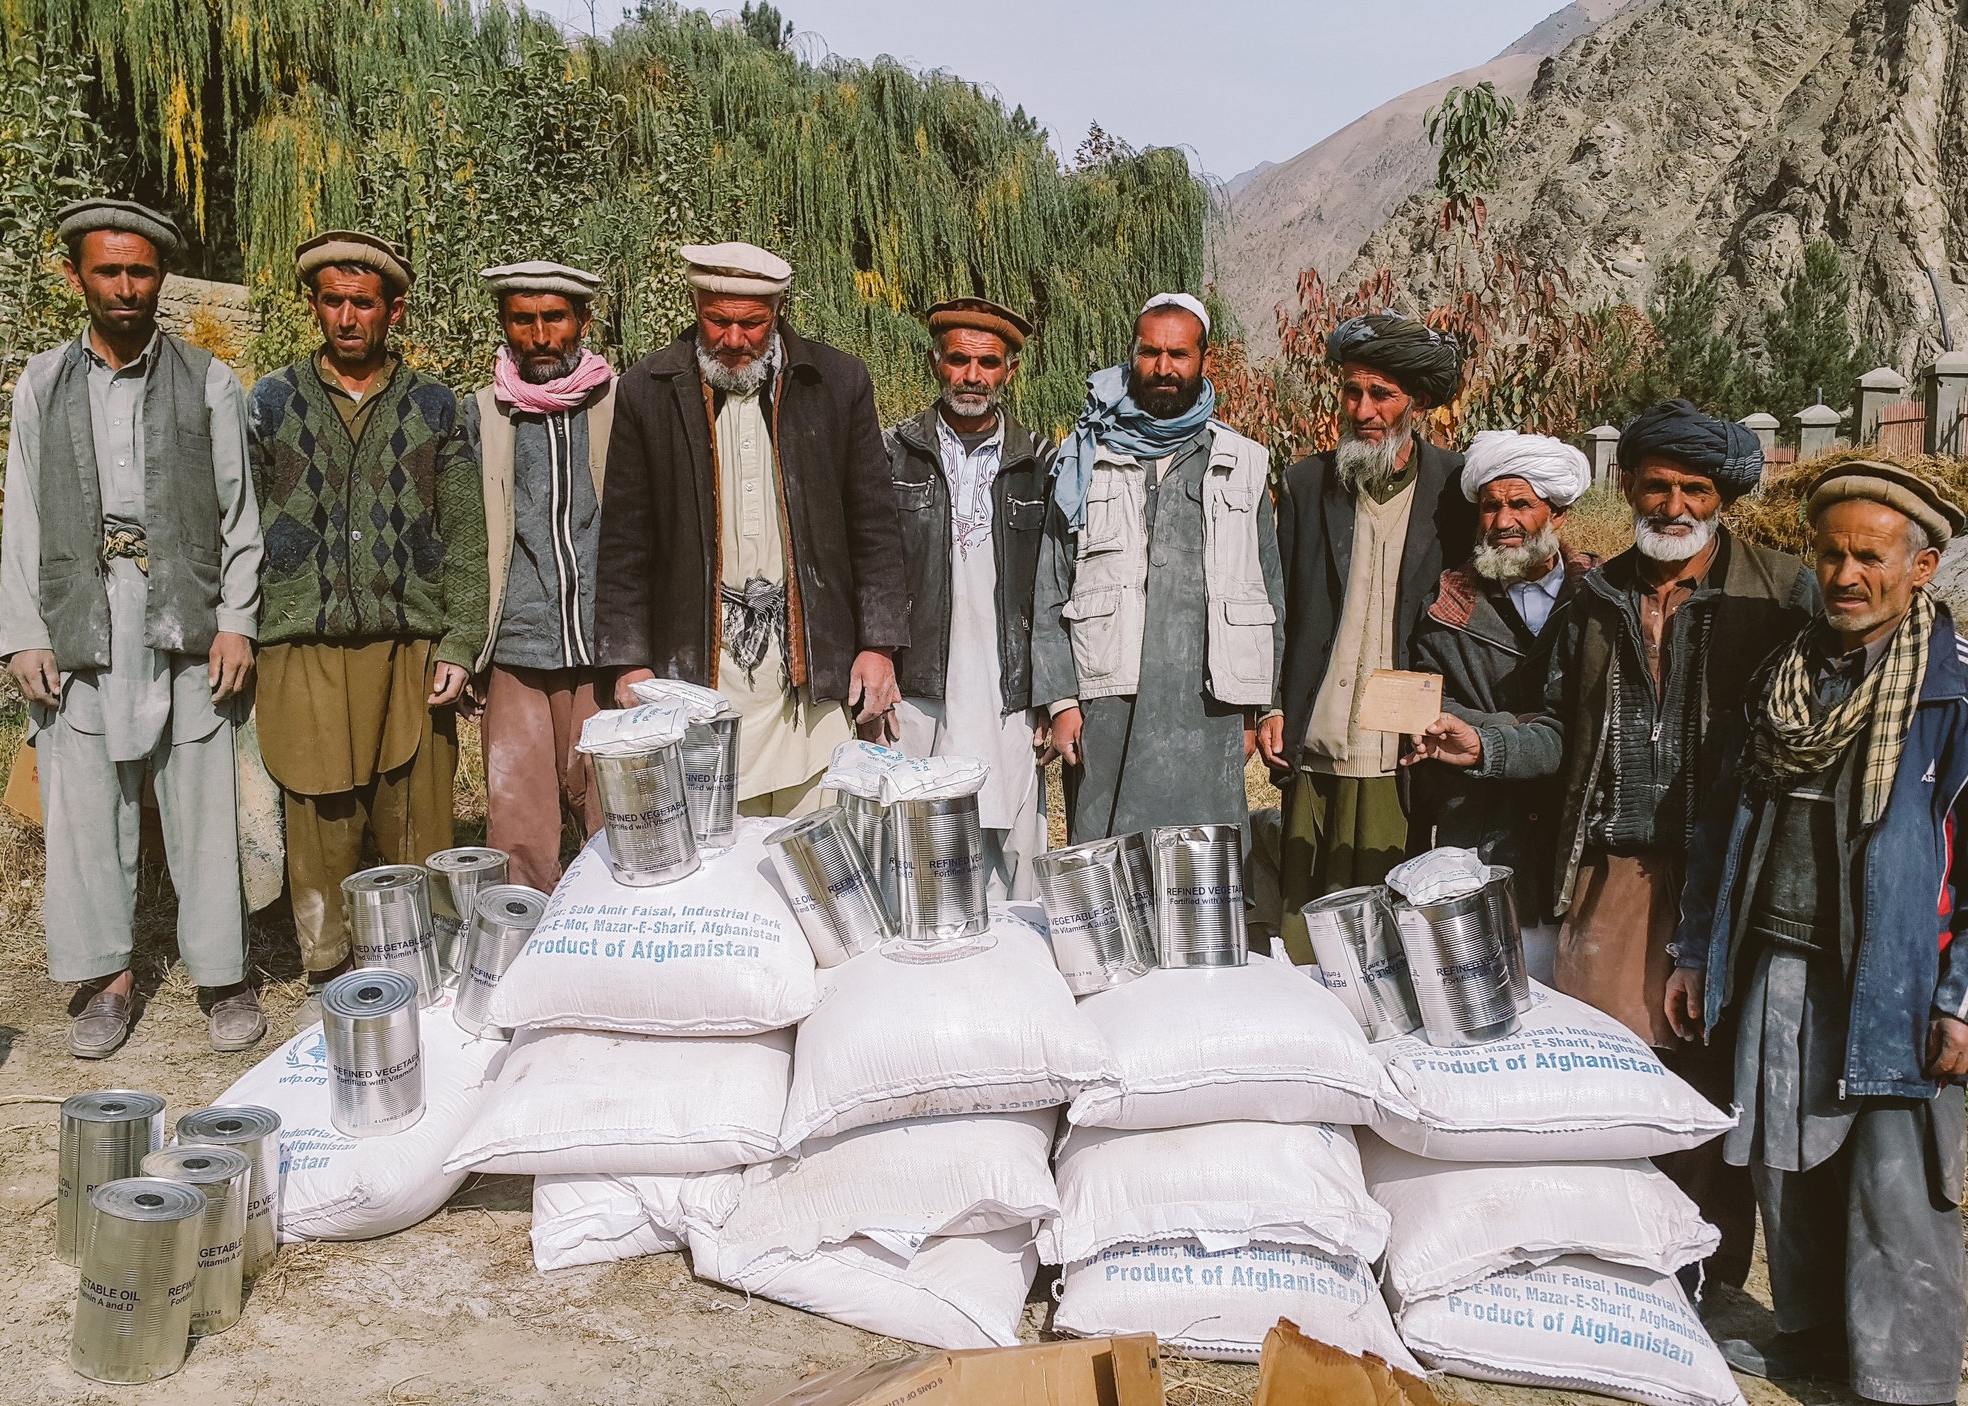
{"x": 451, "y": 1310}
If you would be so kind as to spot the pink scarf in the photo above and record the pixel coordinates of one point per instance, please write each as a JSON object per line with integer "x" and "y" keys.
{"x": 567, "y": 393}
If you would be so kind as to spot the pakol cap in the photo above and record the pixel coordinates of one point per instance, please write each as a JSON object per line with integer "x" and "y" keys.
{"x": 743, "y": 270}
{"x": 540, "y": 276}
{"x": 980, "y": 315}
{"x": 1903, "y": 489}
{"x": 88, "y": 216}
{"x": 348, "y": 246}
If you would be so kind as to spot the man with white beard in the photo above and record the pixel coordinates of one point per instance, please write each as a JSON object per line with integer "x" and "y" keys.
{"x": 1651, "y": 661}
{"x": 1488, "y": 632}
{"x": 1365, "y": 531}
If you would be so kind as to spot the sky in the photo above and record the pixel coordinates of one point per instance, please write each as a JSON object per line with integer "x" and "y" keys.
{"x": 1235, "y": 81}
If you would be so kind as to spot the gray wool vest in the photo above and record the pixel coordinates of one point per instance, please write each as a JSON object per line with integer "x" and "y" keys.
{"x": 181, "y": 511}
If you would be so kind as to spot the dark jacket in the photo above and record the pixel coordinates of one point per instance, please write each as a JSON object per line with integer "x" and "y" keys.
{"x": 922, "y": 502}
{"x": 1906, "y": 964}
{"x": 1315, "y": 540}
{"x": 1755, "y": 599}
{"x": 656, "y": 601}
{"x": 1493, "y": 671}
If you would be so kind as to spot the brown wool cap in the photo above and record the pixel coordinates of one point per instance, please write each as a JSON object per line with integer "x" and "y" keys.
{"x": 1900, "y": 488}
{"x": 735, "y": 268}
{"x": 981, "y": 315}
{"x": 348, "y": 246}
{"x": 88, "y": 216}
{"x": 541, "y": 276}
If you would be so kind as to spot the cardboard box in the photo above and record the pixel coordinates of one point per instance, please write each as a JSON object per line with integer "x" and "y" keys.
{"x": 1123, "y": 1371}
{"x": 23, "y": 796}
{"x": 1295, "y": 1370}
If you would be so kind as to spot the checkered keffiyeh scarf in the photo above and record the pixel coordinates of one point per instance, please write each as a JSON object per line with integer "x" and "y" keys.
{"x": 1790, "y": 742}
{"x": 754, "y": 618}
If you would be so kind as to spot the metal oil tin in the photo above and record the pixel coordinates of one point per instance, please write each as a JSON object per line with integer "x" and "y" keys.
{"x": 868, "y": 820}
{"x": 1199, "y": 896}
{"x": 506, "y": 917}
{"x": 1140, "y": 870}
{"x": 457, "y": 876}
{"x": 369, "y": 1021}
{"x": 104, "y": 1137}
{"x": 139, "y": 1276}
{"x": 830, "y": 886}
{"x": 1096, "y": 935}
{"x": 389, "y": 921}
{"x": 254, "y": 1132}
{"x": 646, "y": 811}
{"x": 710, "y": 780}
{"x": 225, "y": 1176}
{"x": 1461, "y": 982}
{"x": 1500, "y": 905}
{"x": 939, "y": 869}
{"x": 1361, "y": 958}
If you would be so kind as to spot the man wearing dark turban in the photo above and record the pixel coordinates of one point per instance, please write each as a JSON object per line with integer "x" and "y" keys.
{"x": 1365, "y": 530}
{"x": 1656, "y": 653}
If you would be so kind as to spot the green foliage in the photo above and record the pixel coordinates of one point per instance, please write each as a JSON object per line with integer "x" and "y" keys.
{"x": 1467, "y": 129}
{"x": 765, "y": 26}
{"x": 1807, "y": 342}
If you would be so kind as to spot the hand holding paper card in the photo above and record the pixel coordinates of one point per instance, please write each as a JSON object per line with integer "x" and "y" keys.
{"x": 1398, "y": 700}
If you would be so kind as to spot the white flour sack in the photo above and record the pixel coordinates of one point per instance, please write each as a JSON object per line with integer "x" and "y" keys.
{"x": 1458, "y": 1222}
{"x": 1220, "y": 1306}
{"x": 994, "y": 1032}
{"x": 592, "y": 1220}
{"x": 961, "y": 1291}
{"x": 1259, "y": 1042}
{"x": 1219, "y": 1184}
{"x": 1576, "y": 1324}
{"x": 585, "y": 1101}
{"x": 717, "y": 953}
{"x": 335, "y": 1187}
{"x": 897, "y": 1184}
{"x": 1572, "y": 1085}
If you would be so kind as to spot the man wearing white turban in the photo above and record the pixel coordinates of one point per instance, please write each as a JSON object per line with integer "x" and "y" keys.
{"x": 1488, "y": 631}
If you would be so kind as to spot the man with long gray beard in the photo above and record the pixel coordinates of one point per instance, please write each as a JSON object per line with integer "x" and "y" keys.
{"x": 748, "y": 532}
{"x": 1366, "y": 530}
{"x": 1652, "y": 661}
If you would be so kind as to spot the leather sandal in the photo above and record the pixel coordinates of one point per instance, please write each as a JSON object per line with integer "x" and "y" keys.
{"x": 100, "y": 1028}
{"x": 237, "y": 1021}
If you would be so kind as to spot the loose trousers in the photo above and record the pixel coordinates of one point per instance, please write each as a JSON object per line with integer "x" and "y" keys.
{"x": 534, "y": 779}
{"x": 91, "y": 816}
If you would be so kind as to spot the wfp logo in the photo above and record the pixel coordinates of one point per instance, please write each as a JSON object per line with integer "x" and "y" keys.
{"x": 308, "y": 1052}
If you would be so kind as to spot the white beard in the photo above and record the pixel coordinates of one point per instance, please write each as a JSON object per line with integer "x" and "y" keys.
{"x": 1664, "y": 546}
{"x": 1507, "y": 565}
{"x": 1370, "y": 465}
{"x": 747, "y": 381}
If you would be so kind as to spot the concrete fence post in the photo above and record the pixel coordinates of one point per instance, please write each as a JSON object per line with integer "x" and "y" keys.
{"x": 1945, "y": 386}
{"x": 1602, "y": 447}
{"x": 1871, "y": 393}
{"x": 1765, "y": 426}
{"x": 1817, "y": 431}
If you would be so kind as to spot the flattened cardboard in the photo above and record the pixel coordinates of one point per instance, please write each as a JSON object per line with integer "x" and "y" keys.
{"x": 926, "y": 1379}
{"x": 1124, "y": 1371}
{"x": 1400, "y": 700}
{"x": 1295, "y": 1370}
{"x": 23, "y": 796}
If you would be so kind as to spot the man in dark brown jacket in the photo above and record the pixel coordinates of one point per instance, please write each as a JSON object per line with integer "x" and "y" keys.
{"x": 749, "y": 539}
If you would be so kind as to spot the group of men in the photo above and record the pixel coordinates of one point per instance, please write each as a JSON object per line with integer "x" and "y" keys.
{"x": 1725, "y": 779}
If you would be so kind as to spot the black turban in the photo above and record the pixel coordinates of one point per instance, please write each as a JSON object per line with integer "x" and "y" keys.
{"x": 1729, "y": 453}
{"x": 1425, "y": 362}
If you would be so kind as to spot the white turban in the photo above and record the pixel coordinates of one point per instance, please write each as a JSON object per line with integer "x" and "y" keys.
{"x": 1187, "y": 302}
{"x": 1556, "y": 472}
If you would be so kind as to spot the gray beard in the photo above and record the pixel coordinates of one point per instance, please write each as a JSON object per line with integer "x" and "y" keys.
{"x": 747, "y": 381}
{"x": 1372, "y": 464}
{"x": 543, "y": 375}
{"x": 1509, "y": 565}
{"x": 1659, "y": 546}
{"x": 970, "y": 407}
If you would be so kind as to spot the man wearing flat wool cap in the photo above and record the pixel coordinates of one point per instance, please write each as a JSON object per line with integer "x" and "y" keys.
{"x": 748, "y": 533}
{"x": 1826, "y": 910}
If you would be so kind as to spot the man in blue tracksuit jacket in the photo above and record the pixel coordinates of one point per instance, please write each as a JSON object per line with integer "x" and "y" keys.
{"x": 1824, "y": 905}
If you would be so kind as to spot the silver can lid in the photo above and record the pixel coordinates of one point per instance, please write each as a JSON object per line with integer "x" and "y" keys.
{"x": 148, "y": 1199}
{"x": 467, "y": 859}
{"x": 512, "y": 906}
{"x": 201, "y": 1166}
{"x": 225, "y": 1123}
{"x": 112, "y": 1106}
{"x": 385, "y": 878}
{"x": 806, "y": 825}
{"x": 367, "y": 993}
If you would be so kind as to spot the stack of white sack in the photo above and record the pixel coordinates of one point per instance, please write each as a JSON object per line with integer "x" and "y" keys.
{"x": 1216, "y": 1187}
{"x": 1530, "y": 1243}
{"x": 651, "y": 1054}
{"x": 924, "y": 1100}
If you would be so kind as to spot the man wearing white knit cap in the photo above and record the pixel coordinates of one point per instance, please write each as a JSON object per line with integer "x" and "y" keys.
{"x": 1488, "y": 631}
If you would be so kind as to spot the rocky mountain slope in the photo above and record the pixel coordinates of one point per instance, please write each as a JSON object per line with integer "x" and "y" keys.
{"x": 1316, "y": 209}
{"x": 1733, "y": 133}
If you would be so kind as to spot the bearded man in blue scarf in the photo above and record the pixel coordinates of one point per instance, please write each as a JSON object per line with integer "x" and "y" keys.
{"x": 1158, "y": 615}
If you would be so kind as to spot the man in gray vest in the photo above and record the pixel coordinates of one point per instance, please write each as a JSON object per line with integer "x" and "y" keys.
{"x": 541, "y": 436}
{"x": 129, "y": 601}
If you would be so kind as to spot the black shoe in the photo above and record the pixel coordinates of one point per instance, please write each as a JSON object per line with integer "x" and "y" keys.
{"x": 1818, "y": 1352}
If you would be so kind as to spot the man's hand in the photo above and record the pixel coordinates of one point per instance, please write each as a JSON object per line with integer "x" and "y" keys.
{"x": 1043, "y": 752}
{"x": 446, "y": 684}
{"x": 1947, "y": 1048}
{"x": 34, "y": 670}
{"x": 1066, "y": 736}
{"x": 230, "y": 666}
{"x": 1271, "y": 742}
{"x": 1448, "y": 739}
{"x": 871, "y": 689}
{"x": 624, "y": 692}
{"x": 1684, "y": 1002}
